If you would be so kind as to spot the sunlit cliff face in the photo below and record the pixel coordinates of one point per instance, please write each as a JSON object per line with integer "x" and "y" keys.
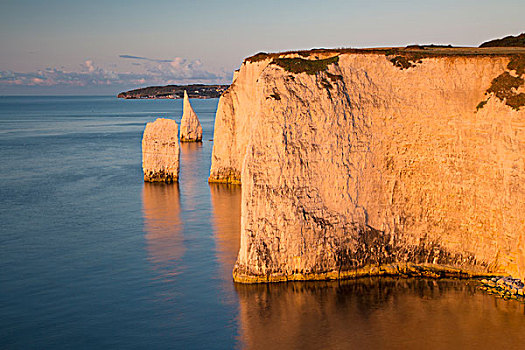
{"x": 357, "y": 163}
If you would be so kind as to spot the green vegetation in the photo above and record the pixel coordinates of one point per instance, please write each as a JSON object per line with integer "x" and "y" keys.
{"x": 504, "y": 86}
{"x": 516, "y": 101}
{"x": 517, "y": 63}
{"x": 299, "y": 65}
{"x": 261, "y": 56}
{"x": 425, "y": 51}
{"x": 481, "y": 105}
{"x": 508, "y": 41}
{"x": 405, "y": 58}
{"x": 402, "y": 62}
{"x": 175, "y": 91}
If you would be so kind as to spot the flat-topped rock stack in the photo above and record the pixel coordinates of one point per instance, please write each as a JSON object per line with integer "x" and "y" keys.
{"x": 190, "y": 127}
{"x": 160, "y": 151}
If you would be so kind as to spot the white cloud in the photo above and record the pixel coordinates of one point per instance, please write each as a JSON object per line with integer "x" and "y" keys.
{"x": 147, "y": 71}
{"x": 89, "y": 66}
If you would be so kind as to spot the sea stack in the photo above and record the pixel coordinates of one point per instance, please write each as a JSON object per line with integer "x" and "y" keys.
{"x": 190, "y": 127}
{"x": 160, "y": 151}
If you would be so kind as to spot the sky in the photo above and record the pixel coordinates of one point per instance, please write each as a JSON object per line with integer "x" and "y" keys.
{"x": 94, "y": 47}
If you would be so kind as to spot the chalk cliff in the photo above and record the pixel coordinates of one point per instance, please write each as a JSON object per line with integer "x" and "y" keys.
{"x": 190, "y": 127}
{"x": 160, "y": 151}
{"x": 357, "y": 162}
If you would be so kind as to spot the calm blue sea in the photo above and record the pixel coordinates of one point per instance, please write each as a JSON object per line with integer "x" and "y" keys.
{"x": 91, "y": 257}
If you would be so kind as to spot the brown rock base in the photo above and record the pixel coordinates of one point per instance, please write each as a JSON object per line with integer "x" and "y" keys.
{"x": 404, "y": 270}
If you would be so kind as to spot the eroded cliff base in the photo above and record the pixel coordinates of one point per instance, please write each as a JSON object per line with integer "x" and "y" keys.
{"x": 396, "y": 269}
{"x": 160, "y": 176}
{"x": 226, "y": 176}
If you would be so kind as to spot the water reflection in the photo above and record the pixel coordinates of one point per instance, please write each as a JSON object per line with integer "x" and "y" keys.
{"x": 190, "y": 173}
{"x": 226, "y": 216}
{"x": 163, "y": 227}
{"x": 377, "y": 313}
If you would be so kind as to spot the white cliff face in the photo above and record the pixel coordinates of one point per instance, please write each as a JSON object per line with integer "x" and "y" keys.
{"x": 233, "y": 122}
{"x": 160, "y": 151}
{"x": 366, "y": 168}
{"x": 190, "y": 127}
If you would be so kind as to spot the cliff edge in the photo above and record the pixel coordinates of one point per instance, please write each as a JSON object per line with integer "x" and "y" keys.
{"x": 378, "y": 161}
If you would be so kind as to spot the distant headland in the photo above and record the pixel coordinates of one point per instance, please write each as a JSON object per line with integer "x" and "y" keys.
{"x": 508, "y": 41}
{"x": 175, "y": 91}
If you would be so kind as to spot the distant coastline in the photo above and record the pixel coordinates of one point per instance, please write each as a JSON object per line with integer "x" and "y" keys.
{"x": 175, "y": 92}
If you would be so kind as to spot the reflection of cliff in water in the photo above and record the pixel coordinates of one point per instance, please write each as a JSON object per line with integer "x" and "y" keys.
{"x": 190, "y": 161}
{"x": 226, "y": 206}
{"x": 163, "y": 226}
{"x": 377, "y": 313}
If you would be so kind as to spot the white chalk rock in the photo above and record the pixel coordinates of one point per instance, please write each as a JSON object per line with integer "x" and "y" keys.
{"x": 190, "y": 127}
{"x": 160, "y": 151}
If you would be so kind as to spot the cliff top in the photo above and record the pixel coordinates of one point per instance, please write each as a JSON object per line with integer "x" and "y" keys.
{"x": 505, "y": 86}
{"x": 423, "y": 51}
{"x": 316, "y": 60}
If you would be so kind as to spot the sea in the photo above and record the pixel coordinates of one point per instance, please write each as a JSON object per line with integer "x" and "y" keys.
{"x": 91, "y": 257}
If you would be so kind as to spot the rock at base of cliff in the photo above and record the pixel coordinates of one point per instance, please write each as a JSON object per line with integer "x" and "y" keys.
{"x": 160, "y": 151}
{"x": 190, "y": 127}
{"x": 226, "y": 176}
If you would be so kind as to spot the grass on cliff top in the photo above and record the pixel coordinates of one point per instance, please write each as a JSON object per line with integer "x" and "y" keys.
{"x": 410, "y": 51}
{"x": 261, "y": 56}
{"x": 300, "y": 65}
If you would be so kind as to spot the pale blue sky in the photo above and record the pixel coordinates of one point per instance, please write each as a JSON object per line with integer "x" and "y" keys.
{"x": 76, "y": 47}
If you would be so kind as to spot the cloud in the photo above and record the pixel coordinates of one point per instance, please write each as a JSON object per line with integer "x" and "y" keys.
{"x": 89, "y": 66}
{"x": 177, "y": 68}
{"x": 148, "y": 72}
{"x": 143, "y": 58}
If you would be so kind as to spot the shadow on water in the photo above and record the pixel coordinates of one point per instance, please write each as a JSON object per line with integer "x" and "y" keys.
{"x": 376, "y": 313}
{"x": 163, "y": 227}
